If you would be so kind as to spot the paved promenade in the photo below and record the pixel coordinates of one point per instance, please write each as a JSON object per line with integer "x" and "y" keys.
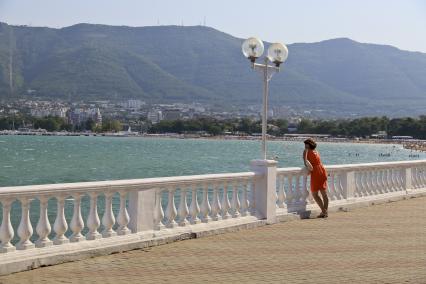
{"x": 379, "y": 244}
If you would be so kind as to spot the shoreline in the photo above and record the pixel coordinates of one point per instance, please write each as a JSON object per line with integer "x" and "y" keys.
{"x": 409, "y": 144}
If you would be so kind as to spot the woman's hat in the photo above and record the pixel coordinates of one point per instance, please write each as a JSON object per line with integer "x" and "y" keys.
{"x": 310, "y": 142}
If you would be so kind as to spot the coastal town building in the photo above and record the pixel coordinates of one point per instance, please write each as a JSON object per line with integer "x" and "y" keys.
{"x": 78, "y": 116}
{"x": 155, "y": 116}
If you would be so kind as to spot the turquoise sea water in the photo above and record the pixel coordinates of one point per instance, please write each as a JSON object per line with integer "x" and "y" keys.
{"x": 26, "y": 160}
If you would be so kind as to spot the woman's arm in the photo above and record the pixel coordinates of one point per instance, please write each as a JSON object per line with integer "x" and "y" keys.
{"x": 306, "y": 162}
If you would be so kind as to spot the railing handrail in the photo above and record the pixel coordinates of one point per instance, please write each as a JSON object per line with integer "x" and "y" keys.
{"x": 163, "y": 182}
{"x": 360, "y": 166}
{"x": 115, "y": 185}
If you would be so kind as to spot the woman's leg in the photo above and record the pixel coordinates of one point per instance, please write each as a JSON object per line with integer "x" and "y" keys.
{"x": 324, "y": 199}
{"x": 318, "y": 201}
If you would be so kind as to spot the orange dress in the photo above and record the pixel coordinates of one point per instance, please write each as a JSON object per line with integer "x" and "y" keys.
{"x": 318, "y": 174}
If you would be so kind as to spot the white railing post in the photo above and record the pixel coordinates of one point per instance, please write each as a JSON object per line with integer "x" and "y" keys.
{"x": 348, "y": 184}
{"x": 141, "y": 210}
{"x": 265, "y": 185}
{"x": 407, "y": 179}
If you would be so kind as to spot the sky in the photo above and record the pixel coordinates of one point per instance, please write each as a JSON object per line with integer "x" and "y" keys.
{"x": 401, "y": 23}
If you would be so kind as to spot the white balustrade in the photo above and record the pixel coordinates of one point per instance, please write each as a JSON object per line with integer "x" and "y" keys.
{"x": 250, "y": 192}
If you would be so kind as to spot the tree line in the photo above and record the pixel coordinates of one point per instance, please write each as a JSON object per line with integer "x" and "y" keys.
{"x": 359, "y": 127}
{"x": 54, "y": 123}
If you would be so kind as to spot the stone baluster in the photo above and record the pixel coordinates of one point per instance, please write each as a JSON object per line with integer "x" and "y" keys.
{"x": 383, "y": 180}
{"x": 245, "y": 204}
{"x": 225, "y": 202}
{"x": 389, "y": 181}
{"x": 380, "y": 184}
{"x": 183, "y": 208}
{"x": 373, "y": 175}
{"x": 298, "y": 192}
{"x": 305, "y": 190}
{"x": 332, "y": 187}
{"x": 400, "y": 178}
{"x": 357, "y": 188}
{"x": 368, "y": 182}
{"x": 60, "y": 226}
{"x": 194, "y": 209}
{"x": 216, "y": 208}
{"x": 159, "y": 213}
{"x": 415, "y": 178}
{"x": 25, "y": 229}
{"x": 386, "y": 183}
{"x": 171, "y": 209}
{"x": 251, "y": 197}
{"x": 235, "y": 202}
{"x": 364, "y": 186}
{"x": 308, "y": 186}
{"x": 123, "y": 216}
{"x": 422, "y": 176}
{"x": 290, "y": 195}
{"x": 77, "y": 223}
{"x": 6, "y": 229}
{"x": 43, "y": 226}
{"x": 281, "y": 193}
{"x": 393, "y": 179}
{"x": 205, "y": 205}
{"x": 342, "y": 187}
{"x": 108, "y": 220}
{"x": 93, "y": 221}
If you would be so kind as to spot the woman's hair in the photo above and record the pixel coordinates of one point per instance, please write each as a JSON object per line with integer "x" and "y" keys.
{"x": 311, "y": 143}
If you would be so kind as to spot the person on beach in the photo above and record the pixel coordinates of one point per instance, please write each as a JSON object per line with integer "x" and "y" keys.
{"x": 312, "y": 161}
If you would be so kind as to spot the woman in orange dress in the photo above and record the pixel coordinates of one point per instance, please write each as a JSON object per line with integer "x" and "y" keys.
{"x": 318, "y": 173}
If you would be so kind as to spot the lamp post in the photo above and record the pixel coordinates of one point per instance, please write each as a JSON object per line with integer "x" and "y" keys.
{"x": 277, "y": 53}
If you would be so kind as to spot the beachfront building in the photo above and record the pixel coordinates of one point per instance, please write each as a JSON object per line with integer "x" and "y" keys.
{"x": 79, "y": 116}
{"x": 155, "y": 116}
{"x": 44, "y": 112}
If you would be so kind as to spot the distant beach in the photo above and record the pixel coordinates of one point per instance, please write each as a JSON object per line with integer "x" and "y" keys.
{"x": 410, "y": 144}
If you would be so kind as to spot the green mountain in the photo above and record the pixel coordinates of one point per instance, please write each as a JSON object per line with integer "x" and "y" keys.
{"x": 172, "y": 63}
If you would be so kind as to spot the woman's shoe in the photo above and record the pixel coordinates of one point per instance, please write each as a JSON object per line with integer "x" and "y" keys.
{"x": 322, "y": 215}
